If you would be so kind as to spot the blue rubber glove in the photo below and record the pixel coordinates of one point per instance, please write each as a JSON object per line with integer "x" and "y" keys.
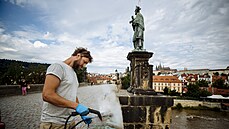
{"x": 87, "y": 119}
{"x": 82, "y": 110}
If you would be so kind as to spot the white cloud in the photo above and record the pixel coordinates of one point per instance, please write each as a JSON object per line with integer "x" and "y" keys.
{"x": 4, "y": 49}
{"x": 183, "y": 33}
{"x": 39, "y": 44}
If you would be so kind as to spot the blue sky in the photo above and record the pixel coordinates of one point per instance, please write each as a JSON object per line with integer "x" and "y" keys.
{"x": 191, "y": 34}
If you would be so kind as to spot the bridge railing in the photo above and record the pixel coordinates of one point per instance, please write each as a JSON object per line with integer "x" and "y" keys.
{"x": 6, "y": 90}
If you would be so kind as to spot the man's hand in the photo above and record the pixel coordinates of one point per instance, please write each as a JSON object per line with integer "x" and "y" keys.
{"x": 82, "y": 110}
{"x": 87, "y": 119}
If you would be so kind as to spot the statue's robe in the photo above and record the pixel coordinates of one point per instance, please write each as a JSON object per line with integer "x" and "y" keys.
{"x": 138, "y": 26}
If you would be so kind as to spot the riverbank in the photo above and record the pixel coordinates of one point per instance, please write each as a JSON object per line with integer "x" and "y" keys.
{"x": 197, "y": 105}
{"x": 180, "y": 107}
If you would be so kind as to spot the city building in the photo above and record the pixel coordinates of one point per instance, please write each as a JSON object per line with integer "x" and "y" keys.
{"x": 99, "y": 79}
{"x": 203, "y": 71}
{"x": 188, "y": 79}
{"x": 171, "y": 82}
{"x": 112, "y": 78}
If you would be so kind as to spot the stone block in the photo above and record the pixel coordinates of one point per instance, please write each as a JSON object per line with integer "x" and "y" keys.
{"x": 156, "y": 127}
{"x": 159, "y": 115}
{"x": 128, "y": 126}
{"x": 134, "y": 114}
{"x": 124, "y": 100}
{"x": 137, "y": 101}
{"x": 151, "y": 114}
{"x": 150, "y": 100}
{"x": 139, "y": 126}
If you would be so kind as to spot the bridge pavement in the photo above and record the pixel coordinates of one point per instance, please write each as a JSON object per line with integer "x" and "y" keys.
{"x": 21, "y": 112}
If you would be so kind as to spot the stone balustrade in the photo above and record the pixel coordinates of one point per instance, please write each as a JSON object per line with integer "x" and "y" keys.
{"x": 145, "y": 111}
{"x": 16, "y": 90}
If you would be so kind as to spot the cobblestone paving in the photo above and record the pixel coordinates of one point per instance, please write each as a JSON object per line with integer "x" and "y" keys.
{"x": 21, "y": 112}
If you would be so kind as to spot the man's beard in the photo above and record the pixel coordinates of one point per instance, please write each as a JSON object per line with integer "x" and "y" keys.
{"x": 76, "y": 65}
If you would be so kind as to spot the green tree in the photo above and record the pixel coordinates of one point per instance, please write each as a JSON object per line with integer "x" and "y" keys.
{"x": 193, "y": 91}
{"x": 202, "y": 83}
{"x": 205, "y": 93}
{"x": 223, "y": 74}
{"x": 12, "y": 71}
{"x": 125, "y": 81}
{"x": 219, "y": 83}
{"x": 166, "y": 91}
{"x": 216, "y": 73}
{"x": 174, "y": 93}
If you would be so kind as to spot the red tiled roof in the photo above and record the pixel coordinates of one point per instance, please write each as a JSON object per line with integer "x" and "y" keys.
{"x": 166, "y": 79}
{"x": 214, "y": 78}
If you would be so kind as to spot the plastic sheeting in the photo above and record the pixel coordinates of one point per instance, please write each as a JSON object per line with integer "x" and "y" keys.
{"x": 102, "y": 98}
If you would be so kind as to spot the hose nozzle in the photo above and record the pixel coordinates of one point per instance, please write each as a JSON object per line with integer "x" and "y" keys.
{"x": 96, "y": 112}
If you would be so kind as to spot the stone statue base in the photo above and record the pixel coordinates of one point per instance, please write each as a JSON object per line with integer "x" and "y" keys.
{"x": 141, "y": 70}
{"x": 139, "y": 50}
{"x": 139, "y": 91}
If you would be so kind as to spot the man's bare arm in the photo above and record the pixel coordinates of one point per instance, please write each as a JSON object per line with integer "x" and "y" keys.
{"x": 49, "y": 93}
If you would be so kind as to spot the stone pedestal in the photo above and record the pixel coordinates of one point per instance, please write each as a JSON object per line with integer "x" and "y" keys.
{"x": 141, "y": 72}
{"x": 145, "y": 111}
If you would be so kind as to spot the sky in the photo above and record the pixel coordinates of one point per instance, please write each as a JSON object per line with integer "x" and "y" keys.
{"x": 192, "y": 34}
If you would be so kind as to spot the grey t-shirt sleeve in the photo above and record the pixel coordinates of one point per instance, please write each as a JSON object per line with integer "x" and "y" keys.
{"x": 56, "y": 69}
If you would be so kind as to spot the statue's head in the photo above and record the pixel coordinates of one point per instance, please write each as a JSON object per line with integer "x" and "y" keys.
{"x": 137, "y": 9}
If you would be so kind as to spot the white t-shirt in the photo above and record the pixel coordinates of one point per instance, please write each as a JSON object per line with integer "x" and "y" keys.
{"x": 67, "y": 89}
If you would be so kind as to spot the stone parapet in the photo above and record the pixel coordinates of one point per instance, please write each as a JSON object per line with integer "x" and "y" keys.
{"x": 6, "y": 90}
{"x": 145, "y": 111}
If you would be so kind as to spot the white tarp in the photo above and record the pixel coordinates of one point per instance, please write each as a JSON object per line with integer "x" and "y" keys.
{"x": 102, "y": 98}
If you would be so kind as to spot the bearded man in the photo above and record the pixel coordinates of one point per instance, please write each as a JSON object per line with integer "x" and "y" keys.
{"x": 60, "y": 92}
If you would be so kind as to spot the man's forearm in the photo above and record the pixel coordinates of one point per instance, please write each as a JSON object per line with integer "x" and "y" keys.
{"x": 59, "y": 101}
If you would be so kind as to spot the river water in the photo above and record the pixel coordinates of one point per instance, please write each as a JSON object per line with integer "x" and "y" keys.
{"x": 199, "y": 119}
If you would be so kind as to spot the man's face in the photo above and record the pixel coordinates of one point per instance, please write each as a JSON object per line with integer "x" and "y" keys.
{"x": 82, "y": 62}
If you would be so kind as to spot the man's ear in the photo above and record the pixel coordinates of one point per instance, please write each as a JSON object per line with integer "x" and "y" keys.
{"x": 78, "y": 55}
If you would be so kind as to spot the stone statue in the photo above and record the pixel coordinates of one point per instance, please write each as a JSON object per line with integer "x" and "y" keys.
{"x": 138, "y": 27}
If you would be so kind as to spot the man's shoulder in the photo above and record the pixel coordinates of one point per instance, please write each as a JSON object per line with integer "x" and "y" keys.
{"x": 60, "y": 64}
{"x": 55, "y": 66}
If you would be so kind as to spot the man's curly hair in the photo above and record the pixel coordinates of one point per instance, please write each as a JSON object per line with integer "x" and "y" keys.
{"x": 84, "y": 53}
